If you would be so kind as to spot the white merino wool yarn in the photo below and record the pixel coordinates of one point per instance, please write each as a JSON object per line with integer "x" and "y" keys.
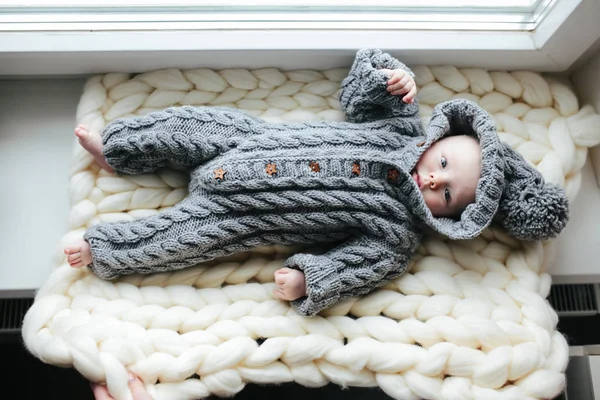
{"x": 469, "y": 320}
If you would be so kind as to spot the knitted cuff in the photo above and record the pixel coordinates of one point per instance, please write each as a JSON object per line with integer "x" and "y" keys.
{"x": 379, "y": 60}
{"x": 121, "y": 147}
{"x": 374, "y": 83}
{"x": 100, "y": 250}
{"x": 322, "y": 282}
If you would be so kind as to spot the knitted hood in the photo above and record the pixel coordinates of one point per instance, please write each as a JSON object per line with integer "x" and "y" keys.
{"x": 509, "y": 189}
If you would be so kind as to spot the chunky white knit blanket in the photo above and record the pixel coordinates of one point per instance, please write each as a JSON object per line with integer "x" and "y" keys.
{"x": 469, "y": 321}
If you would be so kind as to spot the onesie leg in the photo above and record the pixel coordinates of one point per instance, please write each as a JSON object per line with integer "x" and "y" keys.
{"x": 186, "y": 136}
{"x": 198, "y": 229}
{"x": 202, "y": 227}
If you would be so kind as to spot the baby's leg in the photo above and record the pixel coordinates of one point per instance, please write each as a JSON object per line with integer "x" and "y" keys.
{"x": 92, "y": 142}
{"x": 197, "y": 229}
{"x": 186, "y": 136}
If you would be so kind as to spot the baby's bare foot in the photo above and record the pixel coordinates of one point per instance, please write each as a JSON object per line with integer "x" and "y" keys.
{"x": 79, "y": 254}
{"x": 92, "y": 142}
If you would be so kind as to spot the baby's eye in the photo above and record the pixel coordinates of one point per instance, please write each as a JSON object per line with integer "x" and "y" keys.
{"x": 444, "y": 162}
{"x": 447, "y": 195}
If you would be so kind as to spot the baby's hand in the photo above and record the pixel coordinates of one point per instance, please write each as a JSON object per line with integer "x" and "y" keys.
{"x": 401, "y": 83}
{"x": 291, "y": 284}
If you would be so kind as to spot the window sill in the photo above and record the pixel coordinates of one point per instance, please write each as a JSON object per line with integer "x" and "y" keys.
{"x": 560, "y": 40}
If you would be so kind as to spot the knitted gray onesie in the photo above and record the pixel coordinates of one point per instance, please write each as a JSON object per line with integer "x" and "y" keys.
{"x": 254, "y": 183}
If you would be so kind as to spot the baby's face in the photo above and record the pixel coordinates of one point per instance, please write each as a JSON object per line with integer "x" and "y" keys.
{"x": 448, "y": 173}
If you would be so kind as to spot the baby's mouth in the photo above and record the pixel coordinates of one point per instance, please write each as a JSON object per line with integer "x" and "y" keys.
{"x": 417, "y": 179}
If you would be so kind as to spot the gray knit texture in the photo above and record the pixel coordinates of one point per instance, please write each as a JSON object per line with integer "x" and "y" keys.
{"x": 530, "y": 209}
{"x": 375, "y": 221}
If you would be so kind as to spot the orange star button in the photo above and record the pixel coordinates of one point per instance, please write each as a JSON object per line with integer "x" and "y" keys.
{"x": 314, "y": 167}
{"x": 356, "y": 169}
{"x": 220, "y": 173}
{"x": 271, "y": 169}
{"x": 392, "y": 174}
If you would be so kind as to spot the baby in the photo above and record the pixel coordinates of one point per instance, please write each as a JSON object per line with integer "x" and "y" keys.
{"x": 374, "y": 183}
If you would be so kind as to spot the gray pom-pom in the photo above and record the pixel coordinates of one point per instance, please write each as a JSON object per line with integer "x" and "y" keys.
{"x": 535, "y": 213}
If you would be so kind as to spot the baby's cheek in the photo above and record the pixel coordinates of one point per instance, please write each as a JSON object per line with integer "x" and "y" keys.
{"x": 427, "y": 198}
{"x": 432, "y": 203}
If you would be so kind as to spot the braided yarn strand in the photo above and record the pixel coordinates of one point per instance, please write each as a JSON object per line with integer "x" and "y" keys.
{"x": 469, "y": 320}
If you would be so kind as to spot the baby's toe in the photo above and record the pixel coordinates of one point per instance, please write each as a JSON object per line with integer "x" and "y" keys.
{"x": 81, "y": 128}
{"x": 73, "y": 248}
{"x": 81, "y": 133}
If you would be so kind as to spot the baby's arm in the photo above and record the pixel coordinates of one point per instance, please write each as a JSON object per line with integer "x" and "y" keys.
{"x": 354, "y": 268}
{"x": 365, "y": 97}
{"x": 401, "y": 83}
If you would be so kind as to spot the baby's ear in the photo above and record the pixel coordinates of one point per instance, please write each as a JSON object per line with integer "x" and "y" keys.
{"x": 530, "y": 208}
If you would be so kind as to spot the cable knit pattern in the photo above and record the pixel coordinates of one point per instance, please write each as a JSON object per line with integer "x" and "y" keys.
{"x": 467, "y": 320}
{"x": 214, "y": 139}
{"x": 197, "y": 230}
{"x": 370, "y": 102}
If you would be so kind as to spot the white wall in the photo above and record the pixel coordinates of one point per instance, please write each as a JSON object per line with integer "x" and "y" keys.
{"x": 587, "y": 82}
{"x": 36, "y": 136}
{"x": 578, "y": 250}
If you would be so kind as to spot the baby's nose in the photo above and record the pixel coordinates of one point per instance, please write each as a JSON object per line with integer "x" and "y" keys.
{"x": 435, "y": 180}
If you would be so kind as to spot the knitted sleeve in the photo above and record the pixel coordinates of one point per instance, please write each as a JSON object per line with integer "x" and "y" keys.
{"x": 352, "y": 269}
{"x": 364, "y": 96}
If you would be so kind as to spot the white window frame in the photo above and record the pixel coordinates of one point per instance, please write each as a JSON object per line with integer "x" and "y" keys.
{"x": 29, "y": 47}
{"x": 135, "y": 15}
